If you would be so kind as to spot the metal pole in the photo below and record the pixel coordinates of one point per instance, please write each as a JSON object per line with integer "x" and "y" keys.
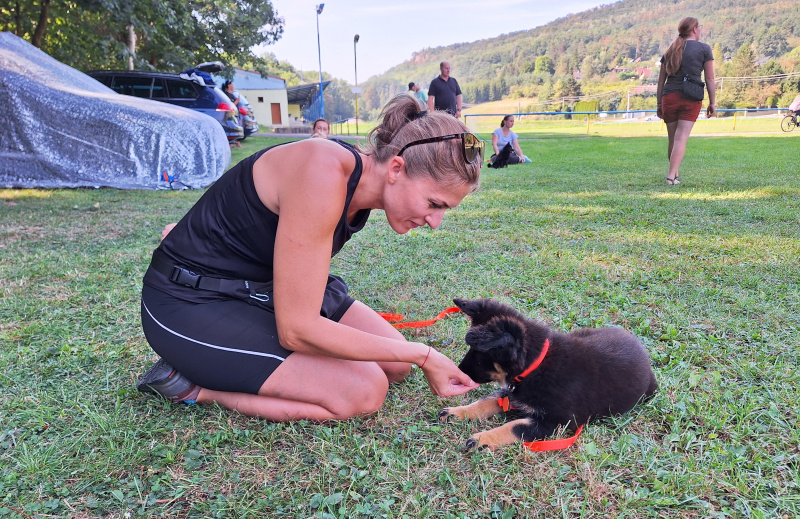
{"x": 319, "y": 52}
{"x": 355, "y": 61}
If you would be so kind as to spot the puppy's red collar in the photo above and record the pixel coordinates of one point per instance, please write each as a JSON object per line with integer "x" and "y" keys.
{"x": 535, "y": 363}
{"x": 503, "y": 402}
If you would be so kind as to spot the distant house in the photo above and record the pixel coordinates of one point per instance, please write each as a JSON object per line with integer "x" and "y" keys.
{"x": 644, "y": 89}
{"x": 266, "y": 95}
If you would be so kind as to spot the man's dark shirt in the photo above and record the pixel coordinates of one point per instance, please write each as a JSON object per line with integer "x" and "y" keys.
{"x": 444, "y": 94}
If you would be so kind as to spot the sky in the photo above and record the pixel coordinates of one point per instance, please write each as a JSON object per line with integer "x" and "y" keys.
{"x": 391, "y": 30}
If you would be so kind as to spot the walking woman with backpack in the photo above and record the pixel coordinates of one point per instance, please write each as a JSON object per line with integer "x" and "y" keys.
{"x": 680, "y": 90}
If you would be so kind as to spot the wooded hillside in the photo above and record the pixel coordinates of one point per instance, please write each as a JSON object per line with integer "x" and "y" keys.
{"x": 611, "y": 47}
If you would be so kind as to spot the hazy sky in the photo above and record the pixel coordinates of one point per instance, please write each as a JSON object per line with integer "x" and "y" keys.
{"x": 390, "y": 30}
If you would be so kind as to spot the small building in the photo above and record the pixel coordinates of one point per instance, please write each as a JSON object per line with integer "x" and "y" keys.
{"x": 266, "y": 95}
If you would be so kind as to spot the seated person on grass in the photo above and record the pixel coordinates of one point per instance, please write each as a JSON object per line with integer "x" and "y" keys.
{"x": 503, "y": 137}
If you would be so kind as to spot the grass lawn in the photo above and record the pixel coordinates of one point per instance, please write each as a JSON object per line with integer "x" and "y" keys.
{"x": 706, "y": 273}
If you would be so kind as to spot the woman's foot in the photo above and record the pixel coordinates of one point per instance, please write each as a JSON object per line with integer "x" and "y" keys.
{"x": 673, "y": 181}
{"x": 162, "y": 379}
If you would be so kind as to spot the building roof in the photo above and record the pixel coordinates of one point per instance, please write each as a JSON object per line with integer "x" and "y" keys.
{"x": 304, "y": 95}
{"x": 246, "y": 80}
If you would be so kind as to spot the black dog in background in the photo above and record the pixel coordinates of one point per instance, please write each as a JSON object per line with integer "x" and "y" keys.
{"x": 501, "y": 159}
{"x": 588, "y": 373}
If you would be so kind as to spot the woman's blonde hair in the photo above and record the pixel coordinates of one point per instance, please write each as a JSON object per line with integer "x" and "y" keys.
{"x": 402, "y": 123}
{"x": 674, "y": 54}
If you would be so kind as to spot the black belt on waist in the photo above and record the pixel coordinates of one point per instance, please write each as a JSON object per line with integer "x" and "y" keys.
{"x": 238, "y": 288}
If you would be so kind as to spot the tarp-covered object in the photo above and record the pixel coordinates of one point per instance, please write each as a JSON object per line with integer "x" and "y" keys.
{"x": 61, "y": 128}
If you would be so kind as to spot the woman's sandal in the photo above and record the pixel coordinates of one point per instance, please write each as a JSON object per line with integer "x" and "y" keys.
{"x": 673, "y": 181}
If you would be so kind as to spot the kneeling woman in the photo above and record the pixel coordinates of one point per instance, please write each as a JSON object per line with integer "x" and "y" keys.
{"x": 239, "y": 303}
{"x": 503, "y": 137}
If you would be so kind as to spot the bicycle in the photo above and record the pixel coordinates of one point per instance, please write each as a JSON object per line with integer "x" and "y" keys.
{"x": 791, "y": 121}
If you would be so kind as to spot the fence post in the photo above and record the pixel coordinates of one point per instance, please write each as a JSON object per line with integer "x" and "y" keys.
{"x": 734, "y": 121}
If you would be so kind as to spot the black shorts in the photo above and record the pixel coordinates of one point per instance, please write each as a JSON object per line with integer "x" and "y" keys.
{"x": 227, "y": 344}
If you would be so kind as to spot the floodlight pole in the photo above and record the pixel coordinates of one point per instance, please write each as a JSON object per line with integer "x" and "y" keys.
{"x": 319, "y": 51}
{"x": 355, "y": 61}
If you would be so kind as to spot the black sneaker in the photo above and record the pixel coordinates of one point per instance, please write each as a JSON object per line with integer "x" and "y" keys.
{"x": 164, "y": 380}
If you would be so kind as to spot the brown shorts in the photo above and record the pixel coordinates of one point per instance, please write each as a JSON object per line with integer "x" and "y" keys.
{"x": 675, "y": 107}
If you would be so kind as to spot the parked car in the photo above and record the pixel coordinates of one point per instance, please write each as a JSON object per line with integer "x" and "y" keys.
{"x": 247, "y": 118}
{"x": 189, "y": 91}
{"x": 64, "y": 129}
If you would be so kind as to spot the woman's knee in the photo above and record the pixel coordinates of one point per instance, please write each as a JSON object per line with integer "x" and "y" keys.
{"x": 365, "y": 392}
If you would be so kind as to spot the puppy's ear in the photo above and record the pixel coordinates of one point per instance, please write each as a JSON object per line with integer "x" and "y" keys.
{"x": 484, "y": 338}
{"x": 481, "y": 311}
{"x": 505, "y": 334}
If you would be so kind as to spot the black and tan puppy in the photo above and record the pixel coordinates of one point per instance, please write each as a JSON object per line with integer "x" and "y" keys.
{"x": 588, "y": 373}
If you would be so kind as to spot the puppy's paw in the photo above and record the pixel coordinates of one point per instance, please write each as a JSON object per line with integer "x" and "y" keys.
{"x": 471, "y": 445}
{"x": 475, "y": 444}
{"x": 444, "y": 415}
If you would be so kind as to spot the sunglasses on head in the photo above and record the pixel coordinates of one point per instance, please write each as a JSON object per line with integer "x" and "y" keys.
{"x": 471, "y": 146}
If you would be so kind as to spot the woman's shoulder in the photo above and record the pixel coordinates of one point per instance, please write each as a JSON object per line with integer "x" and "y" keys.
{"x": 701, "y": 46}
{"x": 313, "y": 153}
{"x": 313, "y": 171}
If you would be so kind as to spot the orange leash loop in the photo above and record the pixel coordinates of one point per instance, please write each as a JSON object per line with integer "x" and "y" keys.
{"x": 415, "y": 324}
{"x": 553, "y": 445}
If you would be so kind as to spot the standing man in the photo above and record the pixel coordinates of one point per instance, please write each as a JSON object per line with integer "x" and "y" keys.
{"x": 420, "y": 94}
{"x": 444, "y": 92}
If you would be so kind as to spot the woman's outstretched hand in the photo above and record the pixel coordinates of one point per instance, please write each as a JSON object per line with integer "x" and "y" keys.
{"x": 444, "y": 378}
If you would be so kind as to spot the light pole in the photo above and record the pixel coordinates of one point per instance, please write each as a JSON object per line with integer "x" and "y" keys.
{"x": 319, "y": 51}
{"x": 355, "y": 61}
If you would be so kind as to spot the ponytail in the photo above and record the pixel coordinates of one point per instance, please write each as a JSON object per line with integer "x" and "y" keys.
{"x": 395, "y": 115}
{"x": 674, "y": 55}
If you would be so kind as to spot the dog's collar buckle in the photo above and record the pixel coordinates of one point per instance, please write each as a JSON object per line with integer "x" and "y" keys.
{"x": 504, "y": 404}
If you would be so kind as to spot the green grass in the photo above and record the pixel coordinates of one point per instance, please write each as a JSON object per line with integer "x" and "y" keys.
{"x": 706, "y": 273}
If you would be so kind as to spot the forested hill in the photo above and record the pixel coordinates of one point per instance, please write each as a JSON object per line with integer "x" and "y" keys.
{"x": 593, "y": 46}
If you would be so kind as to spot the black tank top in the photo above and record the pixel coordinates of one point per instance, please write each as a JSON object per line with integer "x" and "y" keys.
{"x": 230, "y": 233}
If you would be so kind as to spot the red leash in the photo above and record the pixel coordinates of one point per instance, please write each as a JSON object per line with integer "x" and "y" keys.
{"x": 415, "y": 324}
{"x": 553, "y": 445}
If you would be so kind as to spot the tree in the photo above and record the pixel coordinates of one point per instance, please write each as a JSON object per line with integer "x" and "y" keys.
{"x": 544, "y": 65}
{"x": 743, "y": 62}
{"x": 547, "y": 91}
{"x": 771, "y": 68}
{"x": 772, "y": 42}
{"x": 271, "y": 66}
{"x": 719, "y": 59}
{"x": 170, "y": 36}
{"x": 339, "y": 99}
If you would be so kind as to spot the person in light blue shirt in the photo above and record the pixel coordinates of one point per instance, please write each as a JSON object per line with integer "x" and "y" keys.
{"x": 503, "y": 137}
{"x": 419, "y": 94}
